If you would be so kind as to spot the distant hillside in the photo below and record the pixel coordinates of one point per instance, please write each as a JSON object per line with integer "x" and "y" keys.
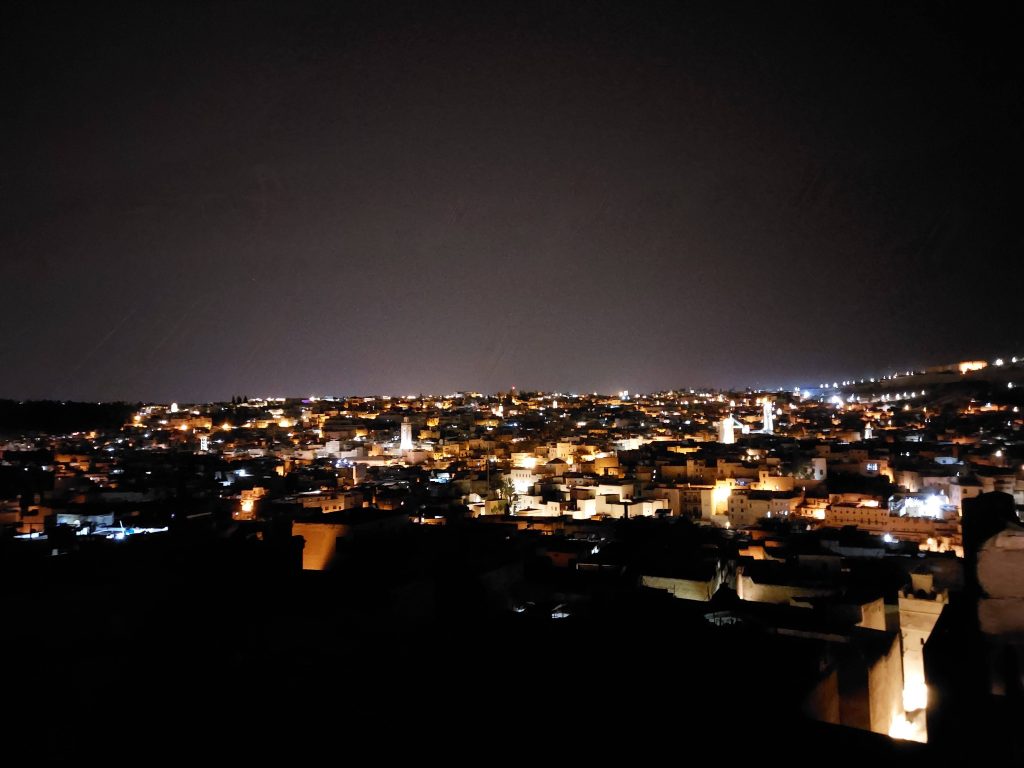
{"x": 57, "y": 417}
{"x": 995, "y": 377}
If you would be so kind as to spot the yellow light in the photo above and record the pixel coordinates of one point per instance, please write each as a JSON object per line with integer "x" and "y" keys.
{"x": 901, "y": 728}
{"x": 972, "y": 365}
{"x": 247, "y": 505}
{"x": 915, "y": 696}
{"x": 720, "y": 494}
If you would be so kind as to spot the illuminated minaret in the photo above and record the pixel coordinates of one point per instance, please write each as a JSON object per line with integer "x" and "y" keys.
{"x": 174, "y": 407}
{"x": 406, "y": 444}
{"x": 769, "y": 417}
{"x": 725, "y": 434}
{"x": 868, "y": 432}
{"x": 204, "y": 442}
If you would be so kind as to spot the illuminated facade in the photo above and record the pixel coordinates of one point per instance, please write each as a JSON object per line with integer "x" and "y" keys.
{"x": 406, "y": 435}
{"x": 920, "y": 605}
{"x": 725, "y": 431}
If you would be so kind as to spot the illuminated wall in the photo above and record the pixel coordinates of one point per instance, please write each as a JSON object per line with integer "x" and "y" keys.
{"x": 918, "y": 616}
{"x": 720, "y": 496}
{"x": 321, "y": 543}
{"x": 748, "y": 589}
{"x": 971, "y": 365}
{"x": 769, "y": 482}
{"x": 523, "y": 480}
{"x": 686, "y": 589}
{"x": 406, "y": 435}
{"x": 885, "y": 690}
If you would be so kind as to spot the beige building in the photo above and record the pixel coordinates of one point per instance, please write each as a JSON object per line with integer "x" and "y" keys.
{"x": 920, "y": 605}
{"x": 324, "y": 536}
{"x": 685, "y": 500}
{"x": 691, "y": 586}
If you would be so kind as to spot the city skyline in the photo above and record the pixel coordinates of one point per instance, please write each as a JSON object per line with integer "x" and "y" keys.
{"x": 1005, "y": 365}
{"x": 854, "y": 515}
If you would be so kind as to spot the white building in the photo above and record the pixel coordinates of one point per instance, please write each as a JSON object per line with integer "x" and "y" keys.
{"x": 406, "y": 442}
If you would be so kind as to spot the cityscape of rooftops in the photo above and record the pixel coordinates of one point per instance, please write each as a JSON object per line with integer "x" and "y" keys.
{"x": 559, "y": 380}
{"x": 836, "y": 512}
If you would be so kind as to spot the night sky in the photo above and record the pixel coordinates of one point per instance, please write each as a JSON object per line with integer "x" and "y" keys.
{"x": 202, "y": 200}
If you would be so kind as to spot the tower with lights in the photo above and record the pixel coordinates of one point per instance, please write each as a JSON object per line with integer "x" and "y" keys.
{"x": 406, "y": 443}
{"x": 725, "y": 431}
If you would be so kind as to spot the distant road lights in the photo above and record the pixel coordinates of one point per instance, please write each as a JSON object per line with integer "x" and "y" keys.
{"x": 999, "y": 361}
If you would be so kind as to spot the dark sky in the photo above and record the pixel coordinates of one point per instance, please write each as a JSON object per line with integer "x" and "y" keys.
{"x": 199, "y": 200}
